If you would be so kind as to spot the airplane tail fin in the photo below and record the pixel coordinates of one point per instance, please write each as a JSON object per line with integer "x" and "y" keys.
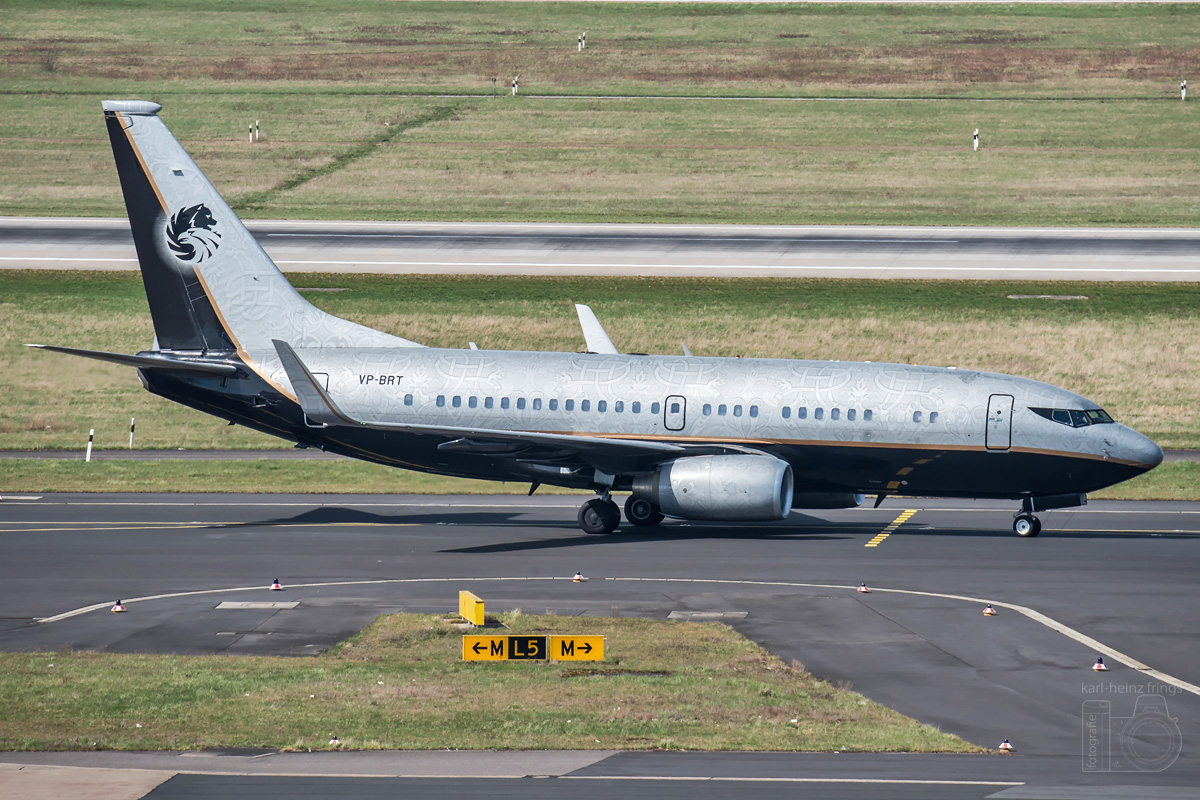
{"x": 210, "y": 286}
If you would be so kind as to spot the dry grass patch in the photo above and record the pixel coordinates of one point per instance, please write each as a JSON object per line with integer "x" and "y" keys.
{"x": 401, "y": 684}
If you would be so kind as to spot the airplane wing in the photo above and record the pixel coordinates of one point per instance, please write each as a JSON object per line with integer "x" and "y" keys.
{"x": 145, "y": 360}
{"x": 320, "y": 407}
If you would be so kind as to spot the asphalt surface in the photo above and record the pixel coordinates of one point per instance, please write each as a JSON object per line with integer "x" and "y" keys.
{"x": 1120, "y": 573}
{"x": 691, "y": 250}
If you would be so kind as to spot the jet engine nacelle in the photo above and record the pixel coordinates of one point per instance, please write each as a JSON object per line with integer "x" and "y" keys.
{"x": 741, "y": 488}
{"x": 827, "y": 500}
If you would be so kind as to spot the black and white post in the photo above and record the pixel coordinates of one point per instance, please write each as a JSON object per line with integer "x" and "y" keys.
{"x": 250, "y": 133}
{"x": 977, "y": 140}
{"x": 581, "y": 43}
{"x": 1183, "y": 89}
{"x": 516, "y": 84}
{"x": 132, "y": 422}
{"x": 91, "y": 435}
{"x": 256, "y": 130}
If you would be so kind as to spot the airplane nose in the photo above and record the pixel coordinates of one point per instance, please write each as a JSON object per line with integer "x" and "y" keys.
{"x": 1129, "y": 445}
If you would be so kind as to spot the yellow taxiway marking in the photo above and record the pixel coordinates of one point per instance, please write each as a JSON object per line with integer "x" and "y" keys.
{"x": 896, "y": 523}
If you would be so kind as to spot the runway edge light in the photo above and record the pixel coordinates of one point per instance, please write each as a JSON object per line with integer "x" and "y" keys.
{"x": 1005, "y": 745}
{"x": 862, "y": 589}
{"x": 1099, "y": 665}
{"x": 275, "y": 586}
{"x": 118, "y": 608}
{"x": 988, "y": 611}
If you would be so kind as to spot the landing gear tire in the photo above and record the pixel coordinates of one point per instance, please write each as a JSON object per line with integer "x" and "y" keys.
{"x": 642, "y": 512}
{"x": 599, "y": 516}
{"x": 1027, "y": 525}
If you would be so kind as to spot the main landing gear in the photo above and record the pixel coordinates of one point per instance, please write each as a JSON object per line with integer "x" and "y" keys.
{"x": 601, "y": 514}
{"x": 1027, "y": 525}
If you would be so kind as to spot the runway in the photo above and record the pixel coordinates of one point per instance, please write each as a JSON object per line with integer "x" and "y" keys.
{"x": 1082, "y": 254}
{"x": 1118, "y": 576}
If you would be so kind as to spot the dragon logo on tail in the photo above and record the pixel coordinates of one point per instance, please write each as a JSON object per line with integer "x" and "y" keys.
{"x": 192, "y": 233}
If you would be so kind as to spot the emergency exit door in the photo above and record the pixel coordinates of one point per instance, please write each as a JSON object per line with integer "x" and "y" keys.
{"x": 674, "y": 413}
{"x": 999, "y": 422}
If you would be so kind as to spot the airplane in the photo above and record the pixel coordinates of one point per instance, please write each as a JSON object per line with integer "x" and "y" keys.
{"x": 689, "y": 437}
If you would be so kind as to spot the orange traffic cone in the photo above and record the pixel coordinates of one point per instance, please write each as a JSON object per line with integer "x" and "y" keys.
{"x": 862, "y": 589}
{"x": 579, "y": 577}
{"x": 989, "y": 611}
{"x": 118, "y": 608}
{"x": 275, "y": 587}
{"x": 1005, "y": 745}
{"x": 1099, "y": 665}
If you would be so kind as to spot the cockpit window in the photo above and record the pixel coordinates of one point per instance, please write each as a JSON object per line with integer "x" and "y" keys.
{"x": 1074, "y": 418}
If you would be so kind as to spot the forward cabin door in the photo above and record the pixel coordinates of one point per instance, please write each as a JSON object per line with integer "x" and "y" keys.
{"x": 674, "y": 413}
{"x": 999, "y": 422}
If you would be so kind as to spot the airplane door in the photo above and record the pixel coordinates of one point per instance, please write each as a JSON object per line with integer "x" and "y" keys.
{"x": 999, "y": 422}
{"x": 674, "y": 413}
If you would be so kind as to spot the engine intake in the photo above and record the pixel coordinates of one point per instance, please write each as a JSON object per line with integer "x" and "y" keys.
{"x": 742, "y": 488}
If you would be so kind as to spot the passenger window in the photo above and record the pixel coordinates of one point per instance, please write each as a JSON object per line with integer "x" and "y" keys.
{"x": 786, "y": 412}
{"x": 473, "y": 401}
{"x": 618, "y": 406}
{"x": 554, "y": 405}
{"x": 408, "y": 399}
{"x": 706, "y": 410}
{"x": 521, "y": 403}
{"x": 754, "y": 411}
{"x": 819, "y": 413}
{"x": 851, "y": 414}
{"x": 569, "y": 405}
{"x": 835, "y": 413}
{"x": 585, "y": 405}
{"x": 487, "y": 402}
{"x": 674, "y": 408}
{"x": 441, "y": 401}
{"x": 916, "y": 416}
{"x": 537, "y": 404}
{"x": 737, "y": 411}
{"x": 601, "y": 406}
{"x": 802, "y": 413}
{"x": 867, "y": 415}
{"x": 933, "y": 415}
{"x": 636, "y": 407}
{"x": 504, "y": 402}
{"x": 721, "y": 410}
{"x": 456, "y": 401}
{"x": 655, "y": 408}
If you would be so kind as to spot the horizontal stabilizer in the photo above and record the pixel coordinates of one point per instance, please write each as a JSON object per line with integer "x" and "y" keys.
{"x": 316, "y": 403}
{"x": 146, "y": 360}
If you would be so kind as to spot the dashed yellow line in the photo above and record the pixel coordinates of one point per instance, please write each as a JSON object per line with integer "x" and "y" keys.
{"x": 896, "y": 523}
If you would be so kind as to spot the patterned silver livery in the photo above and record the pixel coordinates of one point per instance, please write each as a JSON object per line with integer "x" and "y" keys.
{"x": 689, "y": 437}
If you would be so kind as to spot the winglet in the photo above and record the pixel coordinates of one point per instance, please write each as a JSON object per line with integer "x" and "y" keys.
{"x": 318, "y": 406}
{"x": 593, "y": 332}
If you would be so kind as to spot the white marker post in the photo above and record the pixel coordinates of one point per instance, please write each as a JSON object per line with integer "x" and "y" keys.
{"x": 581, "y": 43}
{"x": 977, "y": 140}
{"x": 250, "y": 133}
{"x": 132, "y": 421}
{"x": 585, "y": 40}
{"x": 516, "y": 83}
{"x": 1183, "y": 90}
{"x": 256, "y": 130}
{"x": 91, "y": 436}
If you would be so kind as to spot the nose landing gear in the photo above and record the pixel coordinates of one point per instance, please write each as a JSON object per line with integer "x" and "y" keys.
{"x": 1026, "y": 525}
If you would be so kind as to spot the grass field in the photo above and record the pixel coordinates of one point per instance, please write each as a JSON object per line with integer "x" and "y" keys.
{"x": 344, "y": 138}
{"x": 401, "y": 684}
